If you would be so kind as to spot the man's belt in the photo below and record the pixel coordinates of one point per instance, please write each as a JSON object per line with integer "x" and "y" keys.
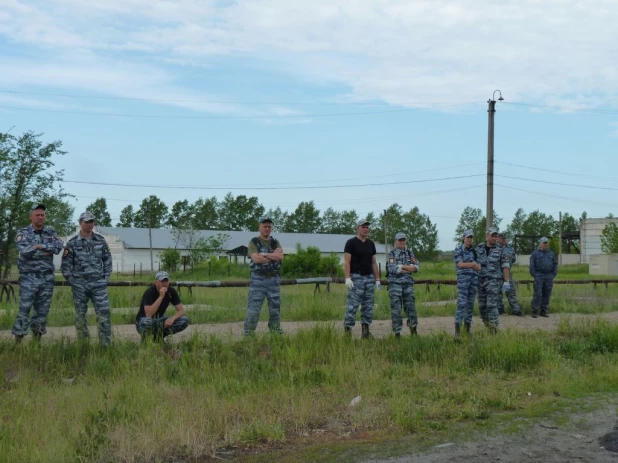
{"x": 267, "y": 274}
{"x": 38, "y": 274}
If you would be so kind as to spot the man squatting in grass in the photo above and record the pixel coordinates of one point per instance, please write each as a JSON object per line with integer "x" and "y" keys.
{"x": 36, "y": 245}
{"x": 494, "y": 278}
{"x": 361, "y": 273}
{"x": 543, "y": 268}
{"x": 87, "y": 266}
{"x": 467, "y": 268}
{"x": 511, "y": 294}
{"x": 400, "y": 266}
{"x": 151, "y": 319}
{"x": 266, "y": 255}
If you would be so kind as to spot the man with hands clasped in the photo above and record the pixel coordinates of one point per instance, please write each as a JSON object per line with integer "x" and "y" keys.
{"x": 151, "y": 319}
{"x": 400, "y": 266}
{"x": 467, "y": 268}
{"x": 361, "y": 276}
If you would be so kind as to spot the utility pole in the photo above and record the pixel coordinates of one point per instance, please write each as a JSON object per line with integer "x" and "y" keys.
{"x": 385, "y": 240}
{"x": 560, "y": 240}
{"x": 150, "y": 238}
{"x": 490, "y": 158}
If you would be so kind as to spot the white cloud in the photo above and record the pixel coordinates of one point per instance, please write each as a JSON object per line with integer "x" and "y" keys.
{"x": 555, "y": 52}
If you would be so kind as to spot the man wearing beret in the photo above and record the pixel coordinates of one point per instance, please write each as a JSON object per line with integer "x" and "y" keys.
{"x": 36, "y": 245}
{"x": 87, "y": 266}
{"x": 543, "y": 268}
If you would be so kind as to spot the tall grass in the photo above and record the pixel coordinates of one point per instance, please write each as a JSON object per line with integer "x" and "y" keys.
{"x": 69, "y": 401}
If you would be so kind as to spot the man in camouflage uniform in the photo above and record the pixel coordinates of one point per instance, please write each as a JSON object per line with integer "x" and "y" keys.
{"x": 511, "y": 294}
{"x": 36, "y": 245}
{"x": 266, "y": 255}
{"x": 467, "y": 268}
{"x": 543, "y": 268}
{"x": 87, "y": 266}
{"x": 400, "y": 266}
{"x": 494, "y": 278}
{"x": 361, "y": 275}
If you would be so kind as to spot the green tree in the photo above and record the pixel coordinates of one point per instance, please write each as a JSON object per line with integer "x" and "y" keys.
{"x": 239, "y": 213}
{"x": 537, "y": 224}
{"x": 473, "y": 218}
{"x": 204, "y": 248}
{"x": 59, "y": 214}
{"x": 205, "y": 215}
{"x": 421, "y": 232}
{"x": 279, "y": 219}
{"x": 305, "y": 219}
{"x": 152, "y": 213}
{"x": 170, "y": 259}
{"x": 126, "y": 217}
{"x": 336, "y": 222}
{"x": 609, "y": 239}
{"x": 182, "y": 215}
{"x": 100, "y": 212}
{"x": 26, "y": 175}
{"x": 516, "y": 227}
{"x": 310, "y": 263}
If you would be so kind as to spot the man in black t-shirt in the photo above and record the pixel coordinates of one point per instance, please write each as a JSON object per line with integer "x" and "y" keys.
{"x": 361, "y": 273}
{"x": 151, "y": 317}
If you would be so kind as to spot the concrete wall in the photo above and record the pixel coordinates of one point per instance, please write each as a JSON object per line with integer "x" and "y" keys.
{"x": 603, "y": 264}
{"x": 590, "y": 232}
{"x": 567, "y": 259}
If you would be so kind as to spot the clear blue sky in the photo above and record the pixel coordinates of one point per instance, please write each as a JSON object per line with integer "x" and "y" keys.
{"x": 225, "y": 95}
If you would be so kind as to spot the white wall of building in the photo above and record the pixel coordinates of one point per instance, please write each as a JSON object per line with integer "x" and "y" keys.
{"x": 590, "y": 233}
{"x": 603, "y": 264}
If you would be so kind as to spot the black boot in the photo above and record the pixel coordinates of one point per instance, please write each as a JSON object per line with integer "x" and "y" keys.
{"x": 456, "y": 330}
{"x": 19, "y": 339}
{"x": 365, "y": 332}
{"x": 467, "y": 327}
{"x": 413, "y": 330}
{"x": 347, "y": 331}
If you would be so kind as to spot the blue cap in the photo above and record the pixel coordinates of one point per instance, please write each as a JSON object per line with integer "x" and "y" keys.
{"x": 362, "y": 222}
{"x": 265, "y": 218}
{"x": 468, "y": 233}
{"x": 400, "y": 236}
{"x": 492, "y": 230}
{"x": 502, "y": 235}
{"x": 544, "y": 240}
{"x": 86, "y": 216}
{"x": 38, "y": 206}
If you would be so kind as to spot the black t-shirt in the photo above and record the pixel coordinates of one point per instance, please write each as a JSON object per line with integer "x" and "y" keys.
{"x": 362, "y": 254}
{"x": 151, "y": 295}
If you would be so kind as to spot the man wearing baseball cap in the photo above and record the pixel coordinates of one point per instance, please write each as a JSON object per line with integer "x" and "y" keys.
{"x": 400, "y": 266}
{"x": 87, "y": 266}
{"x": 511, "y": 294}
{"x": 467, "y": 268}
{"x": 493, "y": 279}
{"x": 266, "y": 255}
{"x": 543, "y": 268}
{"x": 361, "y": 276}
{"x": 36, "y": 245}
{"x": 151, "y": 319}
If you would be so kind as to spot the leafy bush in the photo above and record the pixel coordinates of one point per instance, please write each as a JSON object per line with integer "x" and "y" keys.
{"x": 170, "y": 259}
{"x": 310, "y": 263}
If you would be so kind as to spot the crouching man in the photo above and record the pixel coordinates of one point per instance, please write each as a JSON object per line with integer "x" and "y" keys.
{"x": 151, "y": 319}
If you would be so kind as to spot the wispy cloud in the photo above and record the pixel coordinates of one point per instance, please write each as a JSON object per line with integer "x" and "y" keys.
{"x": 558, "y": 53}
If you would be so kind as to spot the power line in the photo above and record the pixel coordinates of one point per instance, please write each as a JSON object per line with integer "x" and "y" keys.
{"x": 556, "y": 196}
{"x": 313, "y": 187}
{"x": 572, "y": 174}
{"x": 172, "y": 100}
{"x": 569, "y": 110}
{"x": 156, "y": 116}
{"x": 559, "y": 183}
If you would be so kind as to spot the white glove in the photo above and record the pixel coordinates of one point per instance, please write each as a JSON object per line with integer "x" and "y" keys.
{"x": 349, "y": 283}
{"x": 378, "y": 286}
{"x": 506, "y": 286}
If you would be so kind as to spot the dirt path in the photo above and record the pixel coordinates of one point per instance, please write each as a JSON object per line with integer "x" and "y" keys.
{"x": 379, "y": 328}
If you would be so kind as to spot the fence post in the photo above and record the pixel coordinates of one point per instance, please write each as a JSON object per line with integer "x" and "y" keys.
{"x": 133, "y": 269}
{"x": 209, "y": 265}
{"x": 140, "y": 269}
{"x": 380, "y": 269}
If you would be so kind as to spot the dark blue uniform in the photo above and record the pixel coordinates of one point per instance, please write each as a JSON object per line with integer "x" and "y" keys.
{"x": 543, "y": 268}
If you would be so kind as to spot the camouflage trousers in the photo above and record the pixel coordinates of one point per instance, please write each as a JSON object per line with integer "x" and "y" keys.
{"x": 156, "y": 327}
{"x": 543, "y": 285}
{"x": 467, "y": 287}
{"x": 96, "y": 291}
{"x": 35, "y": 291}
{"x": 490, "y": 290}
{"x": 263, "y": 287}
{"x": 511, "y": 296}
{"x": 402, "y": 295}
{"x": 361, "y": 294}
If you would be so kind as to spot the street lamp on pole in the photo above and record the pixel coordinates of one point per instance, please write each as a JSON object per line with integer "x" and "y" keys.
{"x": 490, "y": 157}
